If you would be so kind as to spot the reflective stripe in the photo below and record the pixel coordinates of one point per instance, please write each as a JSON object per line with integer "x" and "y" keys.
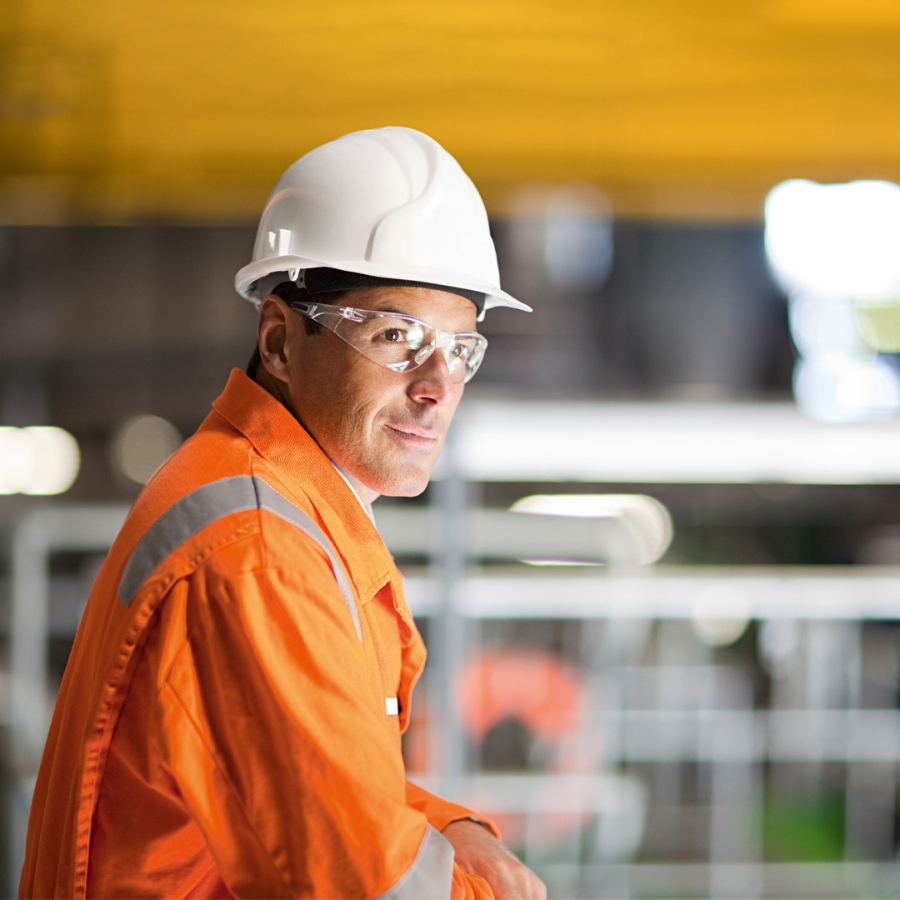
{"x": 181, "y": 522}
{"x": 203, "y": 506}
{"x": 269, "y": 499}
{"x": 430, "y": 877}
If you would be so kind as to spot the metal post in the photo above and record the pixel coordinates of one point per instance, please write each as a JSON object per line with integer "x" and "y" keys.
{"x": 448, "y": 632}
{"x": 735, "y": 851}
{"x": 37, "y": 535}
{"x": 28, "y": 647}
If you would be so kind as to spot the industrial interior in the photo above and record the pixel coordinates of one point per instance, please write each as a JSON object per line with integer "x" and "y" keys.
{"x": 695, "y": 694}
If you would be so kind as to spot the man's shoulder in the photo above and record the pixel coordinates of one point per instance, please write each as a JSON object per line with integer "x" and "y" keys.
{"x": 225, "y": 519}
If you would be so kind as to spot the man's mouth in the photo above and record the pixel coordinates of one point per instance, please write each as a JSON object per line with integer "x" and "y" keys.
{"x": 414, "y": 434}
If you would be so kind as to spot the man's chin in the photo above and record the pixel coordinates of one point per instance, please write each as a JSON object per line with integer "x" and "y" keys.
{"x": 404, "y": 481}
{"x": 405, "y": 488}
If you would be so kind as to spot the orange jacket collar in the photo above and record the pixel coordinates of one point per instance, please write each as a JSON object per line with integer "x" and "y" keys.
{"x": 299, "y": 461}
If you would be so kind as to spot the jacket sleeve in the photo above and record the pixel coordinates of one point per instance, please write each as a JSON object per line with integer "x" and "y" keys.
{"x": 278, "y": 747}
{"x": 440, "y": 812}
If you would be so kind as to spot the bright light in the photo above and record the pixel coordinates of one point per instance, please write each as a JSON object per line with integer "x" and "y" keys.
{"x": 825, "y": 326}
{"x": 40, "y": 460}
{"x": 720, "y": 615}
{"x": 847, "y": 389}
{"x": 646, "y": 518}
{"x": 578, "y": 239}
{"x": 57, "y": 460}
{"x": 16, "y": 460}
{"x": 667, "y": 443}
{"x": 835, "y": 240}
{"x": 142, "y": 445}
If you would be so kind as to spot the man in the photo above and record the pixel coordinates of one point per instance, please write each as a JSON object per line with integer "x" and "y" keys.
{"x": 229, "y": 723}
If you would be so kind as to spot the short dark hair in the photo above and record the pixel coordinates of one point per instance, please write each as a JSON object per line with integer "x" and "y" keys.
{"x": 290, "y": 293}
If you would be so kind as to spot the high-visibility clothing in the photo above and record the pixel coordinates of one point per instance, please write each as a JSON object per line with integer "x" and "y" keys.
{"x": 229, "y": 722}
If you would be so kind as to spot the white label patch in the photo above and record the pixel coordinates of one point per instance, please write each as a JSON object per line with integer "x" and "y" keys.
{"x": 391, "y": 706}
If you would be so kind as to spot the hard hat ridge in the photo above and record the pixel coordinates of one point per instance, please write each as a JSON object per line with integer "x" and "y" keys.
{"x": 389, "y": 203}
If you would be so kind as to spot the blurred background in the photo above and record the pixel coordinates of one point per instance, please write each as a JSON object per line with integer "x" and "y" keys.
{"x": 680, "y": 681}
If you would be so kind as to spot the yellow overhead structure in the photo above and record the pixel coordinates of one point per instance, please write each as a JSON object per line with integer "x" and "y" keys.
{"x": 188, "y": 110}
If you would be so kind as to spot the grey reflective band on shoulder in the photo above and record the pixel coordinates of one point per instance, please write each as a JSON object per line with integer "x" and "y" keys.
{"x": 269, "y": 499}
{"x": 207, "y": 504}
{"x": 179, "y": 523}
{"x": 430, "y": 877}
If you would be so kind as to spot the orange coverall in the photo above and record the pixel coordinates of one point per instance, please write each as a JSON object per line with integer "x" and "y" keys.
{"x": 229, "y": 722}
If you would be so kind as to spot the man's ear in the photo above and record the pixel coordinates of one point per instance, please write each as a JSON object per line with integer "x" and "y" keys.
{"x": 274, "y": 326}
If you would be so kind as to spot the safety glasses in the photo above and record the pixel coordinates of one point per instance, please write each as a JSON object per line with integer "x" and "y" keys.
{"x": 398, "y": 342}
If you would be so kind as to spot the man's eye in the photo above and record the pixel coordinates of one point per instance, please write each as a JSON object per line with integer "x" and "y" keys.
{"x": 391, "y": 335}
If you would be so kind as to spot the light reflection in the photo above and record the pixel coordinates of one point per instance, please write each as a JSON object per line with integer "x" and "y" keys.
{"x": 647, "y": 520}
{"x": 847, "y": 389}
{"x": 142, "y": 445}
{"x": 834, "y": 250}
{"x": 835, "y": 240}
{"x": 825, "y": 325}
{"x": 578, "y": 239}
{"x": 40, "y": 460}
{"x": 720, "y": 615}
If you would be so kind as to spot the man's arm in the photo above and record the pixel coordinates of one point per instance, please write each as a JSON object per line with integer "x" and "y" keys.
{"x": 478, "y": 847}
{"x": 440, "y": 812}
{"x": 290, "y": 770}
{"x": 479, "y": 852}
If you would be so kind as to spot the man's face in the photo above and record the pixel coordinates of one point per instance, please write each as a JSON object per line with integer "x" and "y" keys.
{"x": 383, "y": 427}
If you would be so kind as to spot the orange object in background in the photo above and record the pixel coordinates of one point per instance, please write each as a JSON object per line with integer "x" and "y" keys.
{"x": 521, "y": 706}
{"x": 529, "y": 685}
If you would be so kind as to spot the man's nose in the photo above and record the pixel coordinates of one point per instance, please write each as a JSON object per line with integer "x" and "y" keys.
{"x": 432, "y": 381}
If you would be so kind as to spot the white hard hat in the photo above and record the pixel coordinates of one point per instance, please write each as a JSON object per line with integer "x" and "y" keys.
{"x": 390, "y": 204}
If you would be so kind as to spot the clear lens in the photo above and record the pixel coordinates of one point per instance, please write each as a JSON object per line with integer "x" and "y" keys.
{"x": 475, "y": 356}
{"x": 392, "y": 341}
{"x": 400, "y": 342}
{"x": 464, "y": 354}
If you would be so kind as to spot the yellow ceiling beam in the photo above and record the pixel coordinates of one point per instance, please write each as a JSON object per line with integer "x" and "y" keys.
{"x": 188, "y": 111}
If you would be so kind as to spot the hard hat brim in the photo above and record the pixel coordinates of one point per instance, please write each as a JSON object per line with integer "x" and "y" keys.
{"x": 246, "y": 279}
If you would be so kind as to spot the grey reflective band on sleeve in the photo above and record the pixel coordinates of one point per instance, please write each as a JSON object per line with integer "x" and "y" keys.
{"x": 269, "y": 499}
{"x": 205, "y": 505}
{"x": 430, "y": 877}
{"x": 190, "y": 515}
